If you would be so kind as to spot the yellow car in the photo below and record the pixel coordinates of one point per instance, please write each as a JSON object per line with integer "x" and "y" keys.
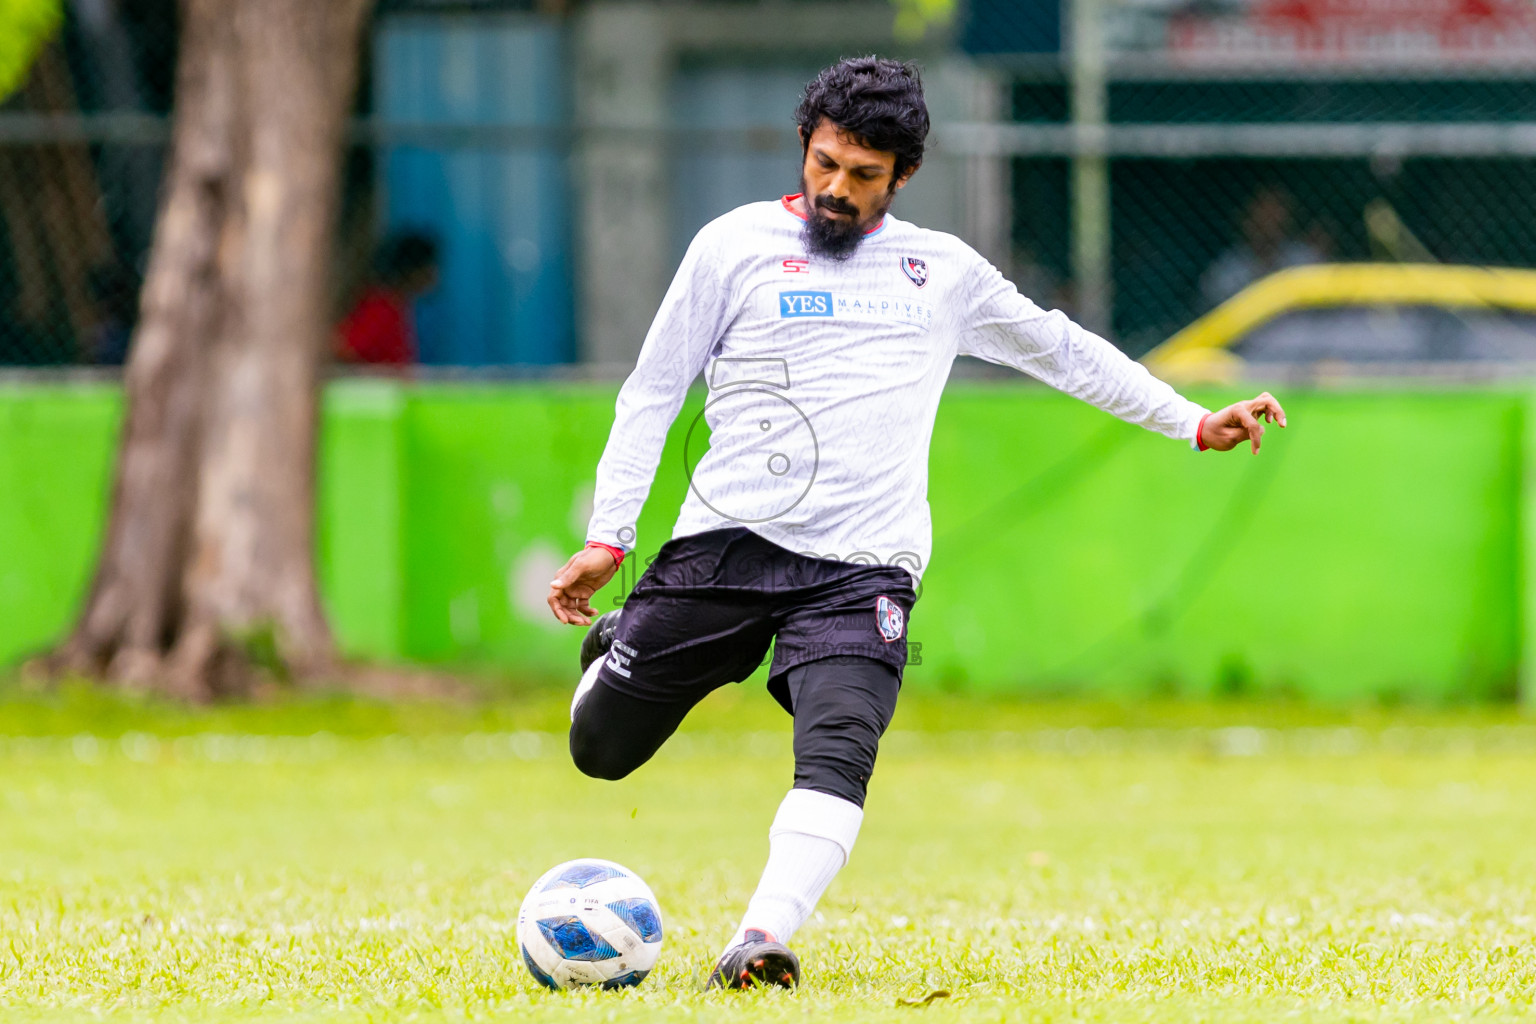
{"x": 1360, "y": 318}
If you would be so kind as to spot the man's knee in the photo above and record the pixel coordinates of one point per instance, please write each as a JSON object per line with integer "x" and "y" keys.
{"x": 596, "y": 754}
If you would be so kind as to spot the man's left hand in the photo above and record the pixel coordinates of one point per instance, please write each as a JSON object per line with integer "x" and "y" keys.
{"x": 1227, "y": 428}
{"x": 570, "y": 592}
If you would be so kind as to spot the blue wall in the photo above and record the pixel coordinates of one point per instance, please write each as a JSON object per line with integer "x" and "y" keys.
{"x": 499, "y": 205}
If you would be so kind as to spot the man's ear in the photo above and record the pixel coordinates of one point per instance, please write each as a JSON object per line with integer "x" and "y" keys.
{"x": 906, "y": 175}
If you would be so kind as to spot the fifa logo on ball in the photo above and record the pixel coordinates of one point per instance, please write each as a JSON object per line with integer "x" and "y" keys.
{"x": 760, "y": 433}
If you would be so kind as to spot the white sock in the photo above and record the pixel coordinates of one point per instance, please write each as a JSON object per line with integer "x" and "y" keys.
{"x": 588, "y": 680}
{"x": 811, "y": 838}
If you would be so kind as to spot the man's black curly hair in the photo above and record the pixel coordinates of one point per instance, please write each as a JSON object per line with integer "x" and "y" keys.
{"x": 875, "y": 99}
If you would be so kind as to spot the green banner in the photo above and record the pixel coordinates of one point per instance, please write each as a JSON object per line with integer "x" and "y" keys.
{"x": 1375, "y": 548}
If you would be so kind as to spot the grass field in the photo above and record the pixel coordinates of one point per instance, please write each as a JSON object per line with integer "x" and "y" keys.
{"x": 1038, "y": 862}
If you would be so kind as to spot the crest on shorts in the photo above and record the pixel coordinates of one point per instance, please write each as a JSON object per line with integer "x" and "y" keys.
{"x": 889, "y": 618}
{"x": 915, "y": 269}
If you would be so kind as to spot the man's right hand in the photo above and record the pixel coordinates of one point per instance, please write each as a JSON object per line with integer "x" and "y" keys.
{"x": 570, "y": 592}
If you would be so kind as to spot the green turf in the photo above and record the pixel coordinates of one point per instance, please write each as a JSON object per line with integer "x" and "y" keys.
{"x": 1038, "y": 862}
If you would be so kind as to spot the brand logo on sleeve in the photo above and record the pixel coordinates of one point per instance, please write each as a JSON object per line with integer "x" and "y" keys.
{"x": 797, "y": 266}
{"x": 889, "y": 618}
{"x": 915, "y": 269}
{"x": 796, "y": 304}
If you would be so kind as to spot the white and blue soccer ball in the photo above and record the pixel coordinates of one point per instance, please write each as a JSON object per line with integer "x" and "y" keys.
{"x": 589, "y": 922}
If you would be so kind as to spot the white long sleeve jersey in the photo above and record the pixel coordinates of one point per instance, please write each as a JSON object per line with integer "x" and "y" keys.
{"x": 824, "y": 379}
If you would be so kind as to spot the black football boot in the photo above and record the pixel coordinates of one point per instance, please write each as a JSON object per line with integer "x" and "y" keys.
{"x": 757, "y": 961}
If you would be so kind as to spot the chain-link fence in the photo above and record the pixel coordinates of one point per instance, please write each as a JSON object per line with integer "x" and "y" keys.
{"x": 1166, "y": 153}
{"x": 451, "y": 187}
{"x": 1133, "y": 161}
{"x": 1212, "y": 185}
{"x": 81, "y": 148}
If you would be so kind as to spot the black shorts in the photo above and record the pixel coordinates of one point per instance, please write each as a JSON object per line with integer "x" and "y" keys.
{"x": 705, "y": 611}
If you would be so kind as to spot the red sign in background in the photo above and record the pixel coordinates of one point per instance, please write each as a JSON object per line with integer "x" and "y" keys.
{"x": 1360, "y": 31}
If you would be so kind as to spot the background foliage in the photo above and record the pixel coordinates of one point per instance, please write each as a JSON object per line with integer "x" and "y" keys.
{"x": 25, "y": 25}
{"x": 915, "y": 17}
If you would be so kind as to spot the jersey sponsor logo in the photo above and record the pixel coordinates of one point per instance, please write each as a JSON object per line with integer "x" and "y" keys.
{"x": 877, "y": 308}
{"x": 797, "y": 266}
{"x": 795, "y": 304}
{"x": 889, "y": 618}
{"x": 884, "y": 308}
{"x": 915, "y": 269}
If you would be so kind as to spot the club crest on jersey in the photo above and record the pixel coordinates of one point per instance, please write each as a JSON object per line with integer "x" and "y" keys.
{"x": 889, "y": 618}
{"x": 915, "y": 269}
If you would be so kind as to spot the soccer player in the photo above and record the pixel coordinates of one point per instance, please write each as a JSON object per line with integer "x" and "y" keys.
{"x": 825, "y": 329}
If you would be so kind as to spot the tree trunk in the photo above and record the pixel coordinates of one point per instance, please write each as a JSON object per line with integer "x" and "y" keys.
{"x": 206, "y": 578}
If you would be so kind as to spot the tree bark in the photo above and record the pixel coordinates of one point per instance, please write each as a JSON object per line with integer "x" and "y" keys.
{"x": 206, "y": 578}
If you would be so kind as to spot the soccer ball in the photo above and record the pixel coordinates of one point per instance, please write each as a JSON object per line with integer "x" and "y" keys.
{"x": 589, "y": 922}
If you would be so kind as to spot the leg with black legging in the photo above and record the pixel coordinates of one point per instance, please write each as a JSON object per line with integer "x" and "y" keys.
{"x": 613, "y": 733}
{"x": 842, "y": 706}
{"x": 668, "y": 651}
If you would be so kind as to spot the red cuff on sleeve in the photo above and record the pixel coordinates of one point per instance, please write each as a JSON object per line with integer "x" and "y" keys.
{"x": 1200, "y": 433}
{"x": 617, "y": 553}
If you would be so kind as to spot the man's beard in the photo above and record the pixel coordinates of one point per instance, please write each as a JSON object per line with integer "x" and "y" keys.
{"x": 836, "y": 239}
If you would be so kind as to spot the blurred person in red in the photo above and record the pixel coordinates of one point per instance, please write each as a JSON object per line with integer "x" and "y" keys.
{"x": 380, "y": 329}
